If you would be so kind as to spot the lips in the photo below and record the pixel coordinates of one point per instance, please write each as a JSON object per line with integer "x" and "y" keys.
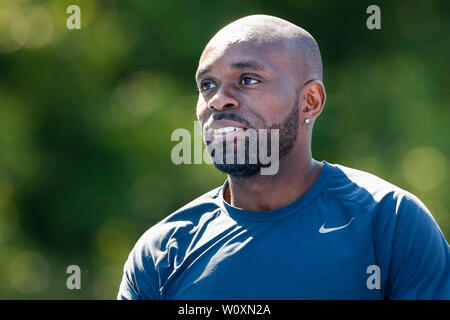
{"x": 225, "y": 126}
{"x": 225, "y": 130}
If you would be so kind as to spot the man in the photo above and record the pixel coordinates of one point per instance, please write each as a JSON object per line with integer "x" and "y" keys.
{"x": 312, "y": 230}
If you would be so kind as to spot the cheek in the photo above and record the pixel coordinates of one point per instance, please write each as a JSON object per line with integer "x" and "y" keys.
{"x": 273, "y": 108}
{"x": 201, "y": 109}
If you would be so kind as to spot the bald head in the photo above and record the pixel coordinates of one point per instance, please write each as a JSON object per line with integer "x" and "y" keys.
{"x": 260, "y": 72}
{"x": 295, "y": 44}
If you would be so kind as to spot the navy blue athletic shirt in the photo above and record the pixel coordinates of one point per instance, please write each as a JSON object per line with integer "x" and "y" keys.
{"x": 352, "y": 235}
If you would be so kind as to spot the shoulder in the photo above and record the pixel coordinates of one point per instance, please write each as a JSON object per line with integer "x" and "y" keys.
{"x": 179, "y": 224}
{"x": 394, "y": 212}
{"x": 369, "y": 191}
{"x": 143, "y": 274}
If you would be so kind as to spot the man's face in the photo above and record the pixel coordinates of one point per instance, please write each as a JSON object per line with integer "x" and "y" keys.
{"x": 246, "y": 87}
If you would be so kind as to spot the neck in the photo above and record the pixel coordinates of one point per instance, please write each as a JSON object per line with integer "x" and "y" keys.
{"x": 295, "y": 177}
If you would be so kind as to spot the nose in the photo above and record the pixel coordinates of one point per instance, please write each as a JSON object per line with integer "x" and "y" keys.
{"x": 222, "y": 100}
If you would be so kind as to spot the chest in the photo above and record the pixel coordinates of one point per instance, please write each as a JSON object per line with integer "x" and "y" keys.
{"x": 279, "y": 261}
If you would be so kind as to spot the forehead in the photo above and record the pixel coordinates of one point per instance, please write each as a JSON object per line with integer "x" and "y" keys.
{"x": 265, "y": 57}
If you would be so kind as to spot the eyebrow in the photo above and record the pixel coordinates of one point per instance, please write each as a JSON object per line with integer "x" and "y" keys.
{"x": 252, "y": 65}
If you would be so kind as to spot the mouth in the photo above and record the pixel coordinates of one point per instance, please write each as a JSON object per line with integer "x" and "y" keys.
{"x": 225, "y": 126}
{"x": 225, "y": 132}
{"x": 228, "y": 129}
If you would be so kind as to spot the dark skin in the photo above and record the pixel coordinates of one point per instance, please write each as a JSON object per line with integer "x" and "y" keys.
{"x": 257, "y": 81}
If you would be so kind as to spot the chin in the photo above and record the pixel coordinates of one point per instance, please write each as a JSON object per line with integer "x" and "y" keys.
{"x": 239, "y": 170}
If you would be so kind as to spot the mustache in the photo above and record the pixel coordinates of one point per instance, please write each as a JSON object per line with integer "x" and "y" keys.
{"x": 232, "y": 117}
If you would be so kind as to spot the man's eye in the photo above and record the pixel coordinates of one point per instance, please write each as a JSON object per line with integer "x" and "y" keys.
{"x": 248, "y": 81}
{"x": 205, "y": 85}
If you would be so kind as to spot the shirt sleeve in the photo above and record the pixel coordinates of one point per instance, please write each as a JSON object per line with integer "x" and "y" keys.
{"x": 140, "y": 278}
{"x": 413, "y": 253}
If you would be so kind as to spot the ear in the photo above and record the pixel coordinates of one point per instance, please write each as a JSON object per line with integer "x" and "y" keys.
{"x": 313, "y": 100}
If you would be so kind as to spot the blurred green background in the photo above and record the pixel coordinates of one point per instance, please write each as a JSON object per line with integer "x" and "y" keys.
{"x": 86, "y": 118}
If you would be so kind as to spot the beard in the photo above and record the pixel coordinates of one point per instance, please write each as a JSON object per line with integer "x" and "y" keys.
{"x": 288, "y": 131}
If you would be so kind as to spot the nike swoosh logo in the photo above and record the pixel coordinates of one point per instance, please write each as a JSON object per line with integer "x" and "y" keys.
{"x": 326, "y": 230}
